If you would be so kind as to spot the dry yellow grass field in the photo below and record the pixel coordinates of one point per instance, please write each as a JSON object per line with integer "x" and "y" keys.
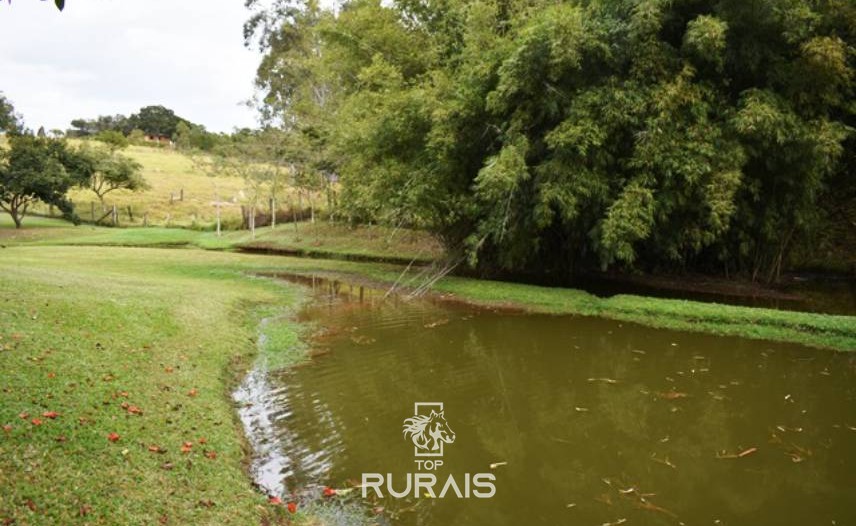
{"x": 168, "y": 173}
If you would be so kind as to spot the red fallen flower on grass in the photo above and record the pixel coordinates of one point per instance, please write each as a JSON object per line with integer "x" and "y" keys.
{"x": 329, "y": 492}
{"x": 7, "y": 428}
{"x": 186, "y": 447}
{"x": 292, "y": 507}
{"x": 113, "y": 437}
{"x": 193, "y": 392}
{"x": 36, "y": 422}
{"x": 50, "y": 414}
{"x": 24, "y": 416}
{"x": 275, "y": 500}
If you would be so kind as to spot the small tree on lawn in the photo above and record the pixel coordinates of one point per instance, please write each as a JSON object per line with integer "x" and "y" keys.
{"x": 39, "y": 169}
{"x": 113, "y": 171}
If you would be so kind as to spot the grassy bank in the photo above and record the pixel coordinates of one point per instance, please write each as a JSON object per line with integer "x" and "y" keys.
{"x": 321, "y": 239}
{"x": 118, "y": 364}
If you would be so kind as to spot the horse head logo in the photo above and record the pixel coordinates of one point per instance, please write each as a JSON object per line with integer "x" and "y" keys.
{"x": 429, "y": 432}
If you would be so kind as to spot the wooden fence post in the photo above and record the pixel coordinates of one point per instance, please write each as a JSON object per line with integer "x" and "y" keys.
{"x": 272, "y": 213}
{"x": 253, "y": 221}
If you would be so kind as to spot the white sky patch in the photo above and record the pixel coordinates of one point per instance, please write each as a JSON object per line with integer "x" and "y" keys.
{"x": 103, "y": 57}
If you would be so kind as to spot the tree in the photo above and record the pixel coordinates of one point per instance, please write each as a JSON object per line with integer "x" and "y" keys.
{"x": 550, "y": 137}
{"x": 113, "y": 139}
{"x": 40, "y": 169}
{"x": 155, "y": 120}
{"x": 189, "y": 136}
{"x": 10, "y": 122}
{"x": 112, "y": 171}
{"x": 103, "y": 123}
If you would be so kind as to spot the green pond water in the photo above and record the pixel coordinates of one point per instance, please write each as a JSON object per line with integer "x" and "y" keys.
{"x": 585, "y": 421}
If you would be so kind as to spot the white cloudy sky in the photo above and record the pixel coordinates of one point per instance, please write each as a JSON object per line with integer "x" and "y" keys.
{"x": 101, "y": 57}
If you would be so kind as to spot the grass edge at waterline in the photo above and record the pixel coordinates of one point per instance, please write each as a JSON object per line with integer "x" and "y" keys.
{"x": 122, "y": 366}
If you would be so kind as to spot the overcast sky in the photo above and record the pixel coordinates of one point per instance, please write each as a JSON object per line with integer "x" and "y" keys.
{"x": 102, "y": 57}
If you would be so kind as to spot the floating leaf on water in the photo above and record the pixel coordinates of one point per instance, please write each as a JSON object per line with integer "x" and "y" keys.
{"x": 604, "y": 380}
{"x": 436, "y": 323}
{"x": 745, "y": 453}
{"x": 645, "y": 505}
{"x": 616, "y": 523}
{"x": 581, "y": 409}
{"x": 665, "y": 461}
{"x": 498, "y": 464}
{"x": 672, "y": 395}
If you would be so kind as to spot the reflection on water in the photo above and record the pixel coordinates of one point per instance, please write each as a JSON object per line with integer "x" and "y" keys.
{"x": 597, "y": 421}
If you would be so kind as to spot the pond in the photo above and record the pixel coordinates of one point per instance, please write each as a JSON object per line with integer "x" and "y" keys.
{"x": 580, "y": 420}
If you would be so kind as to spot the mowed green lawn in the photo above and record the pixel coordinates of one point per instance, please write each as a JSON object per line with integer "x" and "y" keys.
{"x": 321, "y": 239}
{"x": 143, "y": 343}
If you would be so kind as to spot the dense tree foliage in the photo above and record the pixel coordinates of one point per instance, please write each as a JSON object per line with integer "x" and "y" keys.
{"x": 103, "y": 123}
{"x": 10, "y": 121}
{"x": 703, "y": 134}
{"x": 150, "y": 120}
{"x": 155, "y": 120}
{"x": 39, "y": 169}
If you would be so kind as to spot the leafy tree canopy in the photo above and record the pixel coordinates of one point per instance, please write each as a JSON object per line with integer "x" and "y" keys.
{"x": 34, "y": 168}
{"x": 530, "y": 135}
{"x": 10, "y": 122}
